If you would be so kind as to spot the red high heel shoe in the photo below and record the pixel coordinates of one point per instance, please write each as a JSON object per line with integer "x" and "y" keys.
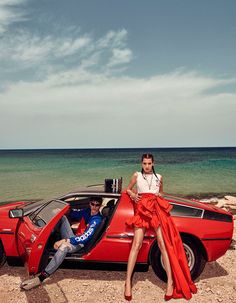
{"x": 127, "y": 298}
{"x": 167, "y": 298}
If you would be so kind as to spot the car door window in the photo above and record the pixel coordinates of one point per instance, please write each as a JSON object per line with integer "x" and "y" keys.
{"x": 45, "y": 214}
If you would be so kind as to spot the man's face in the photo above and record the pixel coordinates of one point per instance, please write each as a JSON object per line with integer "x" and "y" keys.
{"x": 95, "y": 206}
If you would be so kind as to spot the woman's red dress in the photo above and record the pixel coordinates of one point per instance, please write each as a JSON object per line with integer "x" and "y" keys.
{"x": 153, "y": 211}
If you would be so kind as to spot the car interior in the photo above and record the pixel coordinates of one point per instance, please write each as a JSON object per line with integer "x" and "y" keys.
{"x": 107, "y": 209}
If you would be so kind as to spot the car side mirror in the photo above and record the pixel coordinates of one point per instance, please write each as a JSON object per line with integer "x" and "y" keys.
{"x": 16, "y": 213}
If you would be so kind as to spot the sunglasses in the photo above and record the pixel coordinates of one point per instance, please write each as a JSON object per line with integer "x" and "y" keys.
{"x": 95, "y": 204}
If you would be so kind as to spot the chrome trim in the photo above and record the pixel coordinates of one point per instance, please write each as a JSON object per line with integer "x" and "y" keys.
{"x": 89, "y": 193}
{"x": 203, "y": 211}
{"x": 32, "y": 238}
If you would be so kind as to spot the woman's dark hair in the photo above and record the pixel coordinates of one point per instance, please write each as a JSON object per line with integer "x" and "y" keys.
{"x": 148, "y": 156}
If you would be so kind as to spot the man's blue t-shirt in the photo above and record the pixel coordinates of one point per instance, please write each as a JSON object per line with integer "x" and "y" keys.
{"x": 92, "y": 223}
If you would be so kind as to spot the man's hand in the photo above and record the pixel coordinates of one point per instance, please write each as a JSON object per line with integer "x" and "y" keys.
{"x": 59, "y": 243}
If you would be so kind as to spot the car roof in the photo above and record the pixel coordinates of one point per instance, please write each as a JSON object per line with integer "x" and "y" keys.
{"x": 98, "y": 190}
{"x": 86, "y": 191}
{"x": 90, "y": 193}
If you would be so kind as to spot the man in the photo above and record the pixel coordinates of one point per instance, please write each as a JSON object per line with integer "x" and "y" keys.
{"x": 70, "y": 242}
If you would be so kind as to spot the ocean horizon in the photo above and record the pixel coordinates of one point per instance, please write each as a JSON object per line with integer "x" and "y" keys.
{"x": 187, "y": 171}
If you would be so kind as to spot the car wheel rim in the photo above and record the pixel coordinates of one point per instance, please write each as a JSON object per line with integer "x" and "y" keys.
{"x": 189, "y": 254}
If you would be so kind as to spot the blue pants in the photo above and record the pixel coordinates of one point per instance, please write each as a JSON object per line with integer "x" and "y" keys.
{"x": 66, "y": 232}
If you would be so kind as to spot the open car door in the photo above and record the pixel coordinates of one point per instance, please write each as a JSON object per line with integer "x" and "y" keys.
{"x": 47, "y": 217}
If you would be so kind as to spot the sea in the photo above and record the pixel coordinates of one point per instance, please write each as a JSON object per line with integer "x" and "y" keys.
{"x": 45, "y": 173}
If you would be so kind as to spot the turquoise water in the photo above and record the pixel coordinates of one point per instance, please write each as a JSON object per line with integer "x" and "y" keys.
{"x": 36, "y": 174}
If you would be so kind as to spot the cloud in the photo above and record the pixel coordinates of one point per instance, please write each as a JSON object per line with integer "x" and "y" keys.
{"x": 33, "y": 48}
{"x": 67, "y": 89}
{"x": 120, "y": 56}
{"x": 22, "y": 50}
{"x": 113, "y": 39}
{"x": 96, "y": 110}
{"x": 10, "y": 13}
{"x": 71, "y": 46}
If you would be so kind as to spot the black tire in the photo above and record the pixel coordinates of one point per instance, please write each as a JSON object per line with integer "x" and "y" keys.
{"x": 194, "y": 255}
{"x": 2, "y": 255}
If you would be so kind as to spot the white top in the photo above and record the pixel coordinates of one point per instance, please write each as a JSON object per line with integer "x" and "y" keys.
{"x": 148, "y": 183}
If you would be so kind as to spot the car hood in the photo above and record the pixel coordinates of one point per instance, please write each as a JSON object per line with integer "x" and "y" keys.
{"x": 5, "y": 207}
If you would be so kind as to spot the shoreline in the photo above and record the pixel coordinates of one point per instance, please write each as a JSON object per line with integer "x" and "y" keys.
{"x": 226, "y": 201}
{"x": 120, "y": 148}
{"x": 200, "y": 196}
{"x": 194, "y": 196}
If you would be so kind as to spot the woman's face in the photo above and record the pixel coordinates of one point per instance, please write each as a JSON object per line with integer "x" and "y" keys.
{"x": 147, "y": 165}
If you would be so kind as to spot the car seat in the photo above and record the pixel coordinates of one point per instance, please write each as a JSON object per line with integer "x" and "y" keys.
{"x": 106, "y": 212}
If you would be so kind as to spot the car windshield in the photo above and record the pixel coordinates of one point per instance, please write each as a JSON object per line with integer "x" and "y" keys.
{"x": 43, "y": 215}
{"x": 31, "y": 206}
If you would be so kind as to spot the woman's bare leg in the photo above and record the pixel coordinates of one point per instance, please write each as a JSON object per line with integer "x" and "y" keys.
{"x": 136, "y": 245}
{"x": 166, "y": 261}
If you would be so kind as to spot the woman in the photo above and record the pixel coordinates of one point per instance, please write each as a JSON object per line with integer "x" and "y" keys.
{"x": 153, "y": 211}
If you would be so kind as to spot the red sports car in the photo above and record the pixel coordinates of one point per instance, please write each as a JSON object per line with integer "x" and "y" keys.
{"x": 27, "y": 232}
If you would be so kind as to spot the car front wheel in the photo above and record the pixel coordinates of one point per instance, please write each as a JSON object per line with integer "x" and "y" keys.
{"x": 2, "y": 255}
{"x": 196, "y": 261}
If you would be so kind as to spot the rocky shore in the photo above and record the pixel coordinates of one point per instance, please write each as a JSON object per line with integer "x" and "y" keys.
{"x": 227, "y": 203}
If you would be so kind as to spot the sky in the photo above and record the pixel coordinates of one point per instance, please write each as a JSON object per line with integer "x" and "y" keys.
{"x": 107, "y": 73}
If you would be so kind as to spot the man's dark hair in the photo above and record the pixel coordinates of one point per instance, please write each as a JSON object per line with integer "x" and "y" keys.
{"x": 97, "y": 199}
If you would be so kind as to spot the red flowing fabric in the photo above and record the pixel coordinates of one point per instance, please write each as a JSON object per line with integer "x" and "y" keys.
{"x": 153, "y": 211}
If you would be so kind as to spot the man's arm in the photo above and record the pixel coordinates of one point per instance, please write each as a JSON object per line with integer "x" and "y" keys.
{"x": 88, "y": 233}
{"x": 77, "y": 214}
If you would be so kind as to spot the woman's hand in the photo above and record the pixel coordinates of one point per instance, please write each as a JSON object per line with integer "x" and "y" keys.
{"x": 133, "y": 196}
{"x": 136, "y": 198}
{"x": 160, "y": 195}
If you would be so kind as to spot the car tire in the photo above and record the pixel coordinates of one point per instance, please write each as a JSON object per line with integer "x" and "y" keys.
{"x": 196, "y": 261}
{"x": 2, "y": 255}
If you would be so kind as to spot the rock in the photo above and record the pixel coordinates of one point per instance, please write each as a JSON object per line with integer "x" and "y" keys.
{"x": 213, "y": 200}
{"x": 233, "y": 244}
{"x": 221, "y": 203}
{"x": 205, "y": 200}
{"x": 228, "y": 204}
{"x": 231, "y": 199}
